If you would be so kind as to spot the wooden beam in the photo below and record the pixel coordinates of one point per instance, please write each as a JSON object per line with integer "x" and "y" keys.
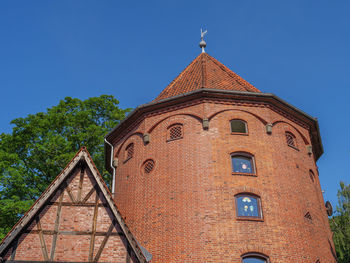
{"x": 70, "y": 194}
{"x": 57, "y": 222}
{"x": 39, "y": 261}
{"x": 14, "y": 249}
{"x": 101, "y": 186}
{"x": 94, "y": 223}
{"x": 72, "y": 233}
{"x": 81, "y": 180}
{"x": 99, "y": 252}
{"x": 128, "y": 252}
{"x": 78, "y": 204}
{"x": 42, "y": 240}
{"x": 88, "y": 195}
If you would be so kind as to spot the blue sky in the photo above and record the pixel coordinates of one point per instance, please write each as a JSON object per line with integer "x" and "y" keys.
{"x": 298, "y": 50}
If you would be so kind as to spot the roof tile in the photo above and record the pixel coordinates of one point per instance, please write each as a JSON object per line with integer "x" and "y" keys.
{"x": 205, "y": 72}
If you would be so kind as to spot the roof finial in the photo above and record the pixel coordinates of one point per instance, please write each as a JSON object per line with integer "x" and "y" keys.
{"x": 202, "y": 44}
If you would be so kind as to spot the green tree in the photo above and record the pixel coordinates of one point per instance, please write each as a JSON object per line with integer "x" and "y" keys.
{"x": 42, "y": 144}
{"x": 340, "y": 224}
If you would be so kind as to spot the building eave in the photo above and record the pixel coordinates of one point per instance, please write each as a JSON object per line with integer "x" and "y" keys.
{"x": 223, "y": 94}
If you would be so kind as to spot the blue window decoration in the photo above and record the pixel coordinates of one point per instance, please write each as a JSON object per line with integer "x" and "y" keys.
{"x": 254, "y": 259}
{"x": 242, "y": 164}
{"x": 248, "y": 206}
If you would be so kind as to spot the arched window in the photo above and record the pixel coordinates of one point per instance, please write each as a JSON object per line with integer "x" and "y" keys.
{"x": 175, "y": 132}
{"x": 248, "y": 206}
{"x": 129, "y": 151}
{"x": 291, "y": 141}
{"x": 238, "y": 127}
{"x": 242, "y": 163}
{"x": 254, "y": 258}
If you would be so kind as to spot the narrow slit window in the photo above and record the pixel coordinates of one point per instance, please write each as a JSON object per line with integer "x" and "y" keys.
{"x": 312, "y": 175}
{"x": 238, "y": 126}
{"x": 242, "y": 163}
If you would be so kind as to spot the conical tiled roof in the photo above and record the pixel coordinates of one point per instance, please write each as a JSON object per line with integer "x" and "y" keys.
{"x": 205, "y": 72}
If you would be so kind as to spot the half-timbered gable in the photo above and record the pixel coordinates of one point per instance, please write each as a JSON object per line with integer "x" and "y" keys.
{"x": 75, "y": 220}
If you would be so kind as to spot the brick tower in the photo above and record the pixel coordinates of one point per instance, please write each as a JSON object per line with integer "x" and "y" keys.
{"x": 214, "y": 170}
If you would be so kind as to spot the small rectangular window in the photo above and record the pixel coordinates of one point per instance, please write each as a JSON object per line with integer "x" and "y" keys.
{"x": 175, "y": 132}
{"x": 238, "y": 126}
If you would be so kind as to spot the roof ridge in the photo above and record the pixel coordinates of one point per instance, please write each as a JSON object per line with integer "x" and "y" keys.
{"x": 203, "y": 65}
{"x": 232, "y": 74}
{"x": 43, "y": 193}
{"x": 179, "y": 75}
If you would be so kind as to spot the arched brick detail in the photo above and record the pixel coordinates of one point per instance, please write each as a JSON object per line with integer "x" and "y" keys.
{"x": 306, "y": 142}
{"x": 138, "y": 134}
{"x": 179, "y": 114}
{"x": 255, "y": 249}
{"x": 242, "y": 150}
{"x": 246, "y": 189}
{"x": 263, "y": 121}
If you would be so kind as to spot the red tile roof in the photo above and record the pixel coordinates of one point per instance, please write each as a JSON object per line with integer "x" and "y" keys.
{"x": 205, "y": 72}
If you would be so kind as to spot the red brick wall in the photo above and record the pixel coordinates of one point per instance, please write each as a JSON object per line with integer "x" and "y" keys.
{"x": 75, "y": 227}
{"x": 184, "y": 211}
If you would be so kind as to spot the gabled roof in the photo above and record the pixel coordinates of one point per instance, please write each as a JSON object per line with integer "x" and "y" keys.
{"x": 81, "y": 159}
{"x": 205, "y": 72}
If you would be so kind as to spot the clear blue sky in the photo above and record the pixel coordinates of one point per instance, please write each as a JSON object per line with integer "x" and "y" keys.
{"x": 298, "y": 50}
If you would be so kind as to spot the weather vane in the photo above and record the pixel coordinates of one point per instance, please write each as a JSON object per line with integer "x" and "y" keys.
{"x": 202, "y": 44}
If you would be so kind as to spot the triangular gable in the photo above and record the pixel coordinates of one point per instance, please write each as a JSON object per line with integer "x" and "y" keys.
{"x": 74, "y": 220}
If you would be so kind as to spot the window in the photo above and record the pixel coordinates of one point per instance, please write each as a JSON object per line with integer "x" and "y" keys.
{"x": 254, "y": 258}
{"x": 312, "y": 175}
{"x": 291, "y": 140}
{"x": 238, "y": 126}
{"x": 148, "y": 166}
{"x": 248, "y": 206}
{"x": 175, "y": 132}
{"x": 129, "y": 151}
{"x": 308, "y": 216}
{"x": 242, "y": 163}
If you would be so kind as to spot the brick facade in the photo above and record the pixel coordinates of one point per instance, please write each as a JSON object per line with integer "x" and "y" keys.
{"x": 184, "y": 210}
{"x": 175, "y": 188}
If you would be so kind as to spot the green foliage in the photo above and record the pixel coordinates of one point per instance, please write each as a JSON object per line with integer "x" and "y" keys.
{"x": 340, "y": 224}
{"x": 42, "y": 144}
